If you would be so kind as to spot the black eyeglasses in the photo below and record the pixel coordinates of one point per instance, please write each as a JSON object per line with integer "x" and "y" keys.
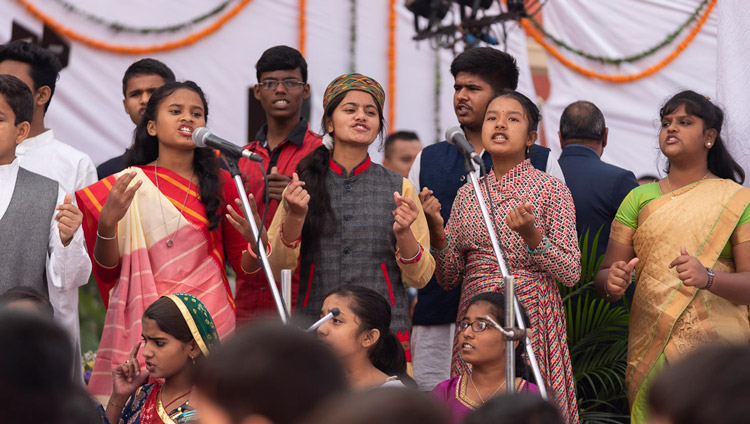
{"x": 476, "y": 326}
{"x": 271, "y": 84}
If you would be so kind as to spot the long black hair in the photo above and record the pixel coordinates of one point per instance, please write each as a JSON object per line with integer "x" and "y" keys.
{"x": 496, "y": 300}
{"x": 374, "y": 313}
{"x": 720, "y": 161}
{"x": 145, "y": 149}
{"x": 313, "y": 170}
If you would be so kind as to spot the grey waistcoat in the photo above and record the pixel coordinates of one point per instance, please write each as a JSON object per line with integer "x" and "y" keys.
{"x": 24, "y": 232}
{"x": 362, "y": 249}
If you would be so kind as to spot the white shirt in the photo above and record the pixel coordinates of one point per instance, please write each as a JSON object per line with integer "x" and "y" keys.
{"x": 552, "y": 168}
{"x": 46, "y": 156}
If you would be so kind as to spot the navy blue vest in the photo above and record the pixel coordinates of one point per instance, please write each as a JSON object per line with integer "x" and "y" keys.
{"x": 442, "y": 170}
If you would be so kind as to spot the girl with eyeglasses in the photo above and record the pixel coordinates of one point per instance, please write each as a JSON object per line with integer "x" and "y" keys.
{"x": 482, "y": 346}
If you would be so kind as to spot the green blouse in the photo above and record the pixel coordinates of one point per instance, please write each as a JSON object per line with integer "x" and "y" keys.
{"x": 639, "y": 197}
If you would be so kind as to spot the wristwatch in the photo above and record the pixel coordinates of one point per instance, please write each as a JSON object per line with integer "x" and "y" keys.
{"x": 711, "y": 276}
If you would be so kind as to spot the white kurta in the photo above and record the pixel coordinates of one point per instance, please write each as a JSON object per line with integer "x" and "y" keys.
{"x": 73, "y": 170}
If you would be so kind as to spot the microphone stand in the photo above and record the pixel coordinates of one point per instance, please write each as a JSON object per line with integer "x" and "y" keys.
{"x": 234, "y": 171}
{"x": 512, "y": 308}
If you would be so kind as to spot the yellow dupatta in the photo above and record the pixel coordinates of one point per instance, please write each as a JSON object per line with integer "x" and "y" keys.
{"x": 666, "y": 316}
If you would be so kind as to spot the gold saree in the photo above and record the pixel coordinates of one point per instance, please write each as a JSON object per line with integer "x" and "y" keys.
{"x": 668, "y": 317}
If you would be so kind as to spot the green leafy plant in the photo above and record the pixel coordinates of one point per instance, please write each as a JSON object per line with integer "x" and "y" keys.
{"x": 598, "y": 343}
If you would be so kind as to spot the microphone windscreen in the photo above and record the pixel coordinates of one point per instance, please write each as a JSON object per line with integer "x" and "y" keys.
{"x": 335, "y": 311}
{"x": 452, "y": 132}
{"x": 199, "y": 136}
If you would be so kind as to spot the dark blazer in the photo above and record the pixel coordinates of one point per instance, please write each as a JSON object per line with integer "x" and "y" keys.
{"x": 598, "y": 189}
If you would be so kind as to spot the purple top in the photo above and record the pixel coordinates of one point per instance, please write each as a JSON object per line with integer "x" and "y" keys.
{"x": 452, "y": 394}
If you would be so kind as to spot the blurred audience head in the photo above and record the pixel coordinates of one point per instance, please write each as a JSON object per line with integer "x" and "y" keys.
{"x": 26, "y": 298}
{"x": 711, "y": 385}
{"x": 267, "y": 373}
{"x": 389, "y": 405}
{"x": 516, "y": 409}
{"x": 35, "y": 368}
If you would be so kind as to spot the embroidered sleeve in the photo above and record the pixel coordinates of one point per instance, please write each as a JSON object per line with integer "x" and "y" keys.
{"x": 561, "y": 257}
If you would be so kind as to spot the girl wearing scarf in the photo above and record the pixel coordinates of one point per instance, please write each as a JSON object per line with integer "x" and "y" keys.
{"x": 178, "y": 332}
{"x": 348, "y": 220}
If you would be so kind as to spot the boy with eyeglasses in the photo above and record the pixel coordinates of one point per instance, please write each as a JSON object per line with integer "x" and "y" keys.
{"x": 282, "y": 142}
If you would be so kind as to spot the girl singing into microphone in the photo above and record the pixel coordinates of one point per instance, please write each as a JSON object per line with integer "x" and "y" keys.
{"x": 534, "y": 219}
{"x": 346, "y": 220}
{"x": 163, "y": 225}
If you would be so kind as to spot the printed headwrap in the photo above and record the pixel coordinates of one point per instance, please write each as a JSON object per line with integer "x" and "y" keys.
{"x": 349, "y": 82}
{"x": 198, "y": 320}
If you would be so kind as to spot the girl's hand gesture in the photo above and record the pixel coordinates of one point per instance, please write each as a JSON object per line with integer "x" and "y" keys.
{"x": 118, "y": 200}
{"x": 127, "y": 377}
{"x": 405, "y": 214}
{"x": 522, "y": 219}
{"x": 297, "y": 198}
{"x": 242, "y": 225}
{"x": 431, "y": 207}
{"x": 690, "y": 270}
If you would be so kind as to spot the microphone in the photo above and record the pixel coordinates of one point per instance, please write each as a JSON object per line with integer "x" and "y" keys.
{"x": 456, "y": 137}
{"x": 327, "y": 317}
{"x": 203, "y": 137}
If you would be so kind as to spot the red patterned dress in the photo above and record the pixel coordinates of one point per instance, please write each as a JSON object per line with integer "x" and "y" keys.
{"x": 469, "y": 260}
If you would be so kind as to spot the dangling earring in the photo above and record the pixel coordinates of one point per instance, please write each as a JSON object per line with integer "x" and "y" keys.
{"x": 193, "y": 360}
{"x": 528, "y": 149}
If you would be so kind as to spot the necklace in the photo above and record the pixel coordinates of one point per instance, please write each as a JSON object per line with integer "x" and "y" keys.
{"x": 177, "y": 398}
{"x": 477, "y": 390}
{"x": 670, "y": 185}
{"x": 170, "y": 240}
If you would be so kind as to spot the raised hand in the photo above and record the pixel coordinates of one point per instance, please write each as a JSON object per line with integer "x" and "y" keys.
{"x": 522, "y": 219}
{"x": 68, "y": 219}
{"x": 277, "y": 183}
{"x": 118, "y": 201}
{"x": 619, "y": 277}
{"x": 242, "y": 225}
{"x": 297, "y": 198}
{"x": 127, "y": 377}
{"x": 405, "y": 214}
{"x": 689, "y": 269}
{"x": 431, "y": 207}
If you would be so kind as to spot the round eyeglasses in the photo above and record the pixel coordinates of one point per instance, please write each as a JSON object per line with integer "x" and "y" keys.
{"x": 476, "y": 326}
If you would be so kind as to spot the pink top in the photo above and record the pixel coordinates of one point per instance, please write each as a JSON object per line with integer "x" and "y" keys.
{"x": 452, "y": 394}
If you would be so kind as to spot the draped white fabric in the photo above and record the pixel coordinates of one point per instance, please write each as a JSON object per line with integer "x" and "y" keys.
{"x": 87, "y": 111}
{"x": 623, "y": 28}
{"x": 732, "y": 82}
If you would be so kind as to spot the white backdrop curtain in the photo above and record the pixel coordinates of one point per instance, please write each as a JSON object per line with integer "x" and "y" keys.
{"x": 87, "y": 111}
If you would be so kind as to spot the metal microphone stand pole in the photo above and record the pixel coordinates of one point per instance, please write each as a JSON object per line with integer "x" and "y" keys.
{"x": 512, "y": 311}
{"x": 234, "y": 170}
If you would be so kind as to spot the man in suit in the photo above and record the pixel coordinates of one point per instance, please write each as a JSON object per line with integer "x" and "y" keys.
{"x": 598, "y": 188}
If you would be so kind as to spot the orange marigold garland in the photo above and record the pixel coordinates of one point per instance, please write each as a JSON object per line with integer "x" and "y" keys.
{"x": 301, "y": 26}
{"x": 186, "y": 41}
{"x": 391, "y": 98}
{"x": 536, "y": 35}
